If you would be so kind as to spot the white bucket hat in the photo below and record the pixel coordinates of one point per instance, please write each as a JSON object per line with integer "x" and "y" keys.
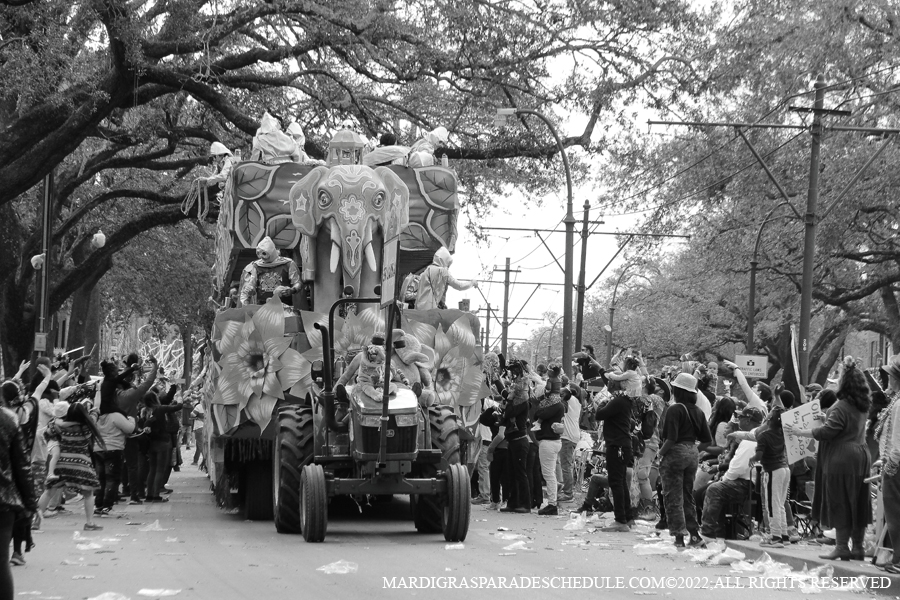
{"x": 686, "y": 382}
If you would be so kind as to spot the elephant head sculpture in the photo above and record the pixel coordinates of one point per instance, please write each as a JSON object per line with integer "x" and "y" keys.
{"x": 345, "y": 214}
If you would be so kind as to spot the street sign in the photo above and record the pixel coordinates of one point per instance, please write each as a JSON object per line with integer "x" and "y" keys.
{"x": 40, "y": 342}
{"x": 389, "y": 271}
{"x": 752, "y": 365}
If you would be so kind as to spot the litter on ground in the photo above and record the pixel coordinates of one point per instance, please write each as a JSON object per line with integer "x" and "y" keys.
{"x": 154, "y": 526}
{"x": 341, "y": 567}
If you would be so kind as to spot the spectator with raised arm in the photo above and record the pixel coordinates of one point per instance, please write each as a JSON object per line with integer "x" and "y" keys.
{"x": 758, "y": 395}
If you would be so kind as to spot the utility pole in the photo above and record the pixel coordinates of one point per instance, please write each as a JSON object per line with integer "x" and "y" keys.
{"x": 42, "y": 287}
{"x": 505, "y": 323}
{"x": 812, "y": 198}
{"x": 579, "y": 316}
{"x": 487, "y": 329}
{"x": 809, "y": 237}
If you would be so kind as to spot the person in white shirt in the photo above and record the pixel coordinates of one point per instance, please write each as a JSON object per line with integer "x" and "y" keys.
{"x": 198, "y": 414}
{"x": 570, "y": 438}
{"x": 482, "y": 464}
{"x": 734, "y": 486}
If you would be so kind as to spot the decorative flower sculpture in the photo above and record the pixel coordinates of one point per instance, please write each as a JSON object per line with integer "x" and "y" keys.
{"x": 257, "y": 364}
{"x": 457, "y": 370}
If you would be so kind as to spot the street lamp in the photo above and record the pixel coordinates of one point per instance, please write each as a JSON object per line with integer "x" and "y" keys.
{"x": 550, "y": 342}
{"x": 500, "y": 119}
{"x": 751, "y": 308}
{"x": 612, "y": 310}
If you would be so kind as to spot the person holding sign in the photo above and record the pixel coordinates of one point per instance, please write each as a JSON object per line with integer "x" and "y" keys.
{"x": 887, "y": 432}
{"x": 843, "y": 501}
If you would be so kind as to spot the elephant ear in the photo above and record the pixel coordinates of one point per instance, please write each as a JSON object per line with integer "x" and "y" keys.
{"x": 397, "y": 217}
{"x": 303, "y": 201}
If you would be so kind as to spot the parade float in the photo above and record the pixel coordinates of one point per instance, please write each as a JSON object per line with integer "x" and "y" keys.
{"x": 274, "y": 445}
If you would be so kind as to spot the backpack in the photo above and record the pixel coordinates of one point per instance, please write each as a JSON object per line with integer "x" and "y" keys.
{"x": 643, "y": 424}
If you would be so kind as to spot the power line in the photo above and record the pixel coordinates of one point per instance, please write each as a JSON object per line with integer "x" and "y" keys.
{"x": 732, "y": 139}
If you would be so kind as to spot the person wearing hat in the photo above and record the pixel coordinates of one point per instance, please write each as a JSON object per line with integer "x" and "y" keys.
{"x": 843, "y": 501}
{"x": 300, "y": 156}
{"x": 887, "y": 432}
{"x": 271, "y": 145}
{"x": 813, "y": 390}
{"x": 222, "y": 162}
{"x": 684, "y": 425}
{"x": 734, "y": 484}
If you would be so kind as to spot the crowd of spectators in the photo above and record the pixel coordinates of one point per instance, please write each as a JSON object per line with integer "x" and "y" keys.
{"x": 67, "y": 437}
{"x": 679, "y": 448}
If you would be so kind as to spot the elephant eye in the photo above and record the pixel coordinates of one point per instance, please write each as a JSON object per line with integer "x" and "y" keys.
{"x": 324, "y": 199}
{"x": 378, "y": 200}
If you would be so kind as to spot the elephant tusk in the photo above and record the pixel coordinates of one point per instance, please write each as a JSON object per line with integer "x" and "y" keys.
{"x": 335, "y": 247}
{"x": 335, "y": 258}
{"x": 370, "y": 257}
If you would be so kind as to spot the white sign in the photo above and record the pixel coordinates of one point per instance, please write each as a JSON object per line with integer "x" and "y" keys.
{"x": 806, "y": 416}
{"x": 40, "y": 342}
{"x": 753, "y": 366}
{"x": 389, "y": 271}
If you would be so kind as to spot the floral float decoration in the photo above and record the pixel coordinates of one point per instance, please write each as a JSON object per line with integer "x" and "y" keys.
{"x": 257, "y": 366}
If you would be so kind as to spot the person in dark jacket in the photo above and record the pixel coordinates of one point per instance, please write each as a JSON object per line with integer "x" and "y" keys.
{"x": 160, "y": 445}
{"x": 135, "y": 461}
{"x": 550, "y": 412}
{"x": 497, "y": 452}
{"x": 684, "y": 425}
{"x": 17, "y": 497}
{"x": 616, "y": 417}
{"x": 515, "y": 423}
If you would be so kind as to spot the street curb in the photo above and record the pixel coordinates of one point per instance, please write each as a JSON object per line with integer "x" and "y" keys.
{"x": 842, "y": 568}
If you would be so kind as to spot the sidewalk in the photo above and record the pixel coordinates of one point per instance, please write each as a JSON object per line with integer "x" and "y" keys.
{"x": 800, "y": 554}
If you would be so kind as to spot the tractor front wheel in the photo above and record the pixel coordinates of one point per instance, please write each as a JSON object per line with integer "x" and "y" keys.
{"x": 457, "y": 506}
{"x": 313, "y": 503}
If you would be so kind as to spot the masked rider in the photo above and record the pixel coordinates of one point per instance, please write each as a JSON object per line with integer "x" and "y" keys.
{"x": 270, "y": 275}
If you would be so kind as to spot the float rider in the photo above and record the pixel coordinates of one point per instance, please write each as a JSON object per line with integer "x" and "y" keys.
{"x": 269, "y": 275}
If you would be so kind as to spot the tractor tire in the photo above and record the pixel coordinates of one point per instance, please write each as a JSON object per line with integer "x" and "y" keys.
{"x": 257, "y": 483}
{"x": 457, "y": 507}
{"x": 292, "y": 451}
{"x": 428, "y": 509}
{"x": 313, "y": 503}
{"x": 445, "y": 432}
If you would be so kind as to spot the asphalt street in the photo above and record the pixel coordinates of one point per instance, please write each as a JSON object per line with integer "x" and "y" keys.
{"x": 188, "y": 548}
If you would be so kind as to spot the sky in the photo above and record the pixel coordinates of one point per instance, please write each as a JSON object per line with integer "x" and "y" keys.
{"x": 534, "y": 262}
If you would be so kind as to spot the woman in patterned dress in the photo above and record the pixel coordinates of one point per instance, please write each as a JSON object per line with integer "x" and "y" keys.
{"x": 75, "y": 434}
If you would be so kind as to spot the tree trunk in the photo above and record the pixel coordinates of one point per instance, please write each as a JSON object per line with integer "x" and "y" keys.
{"x": 84, "y": 324}
{"x": 892, "y": 312}
{"x": 827, "y": 359}
{"x": 187, "y": 343}
{"x": 16, "y": 327}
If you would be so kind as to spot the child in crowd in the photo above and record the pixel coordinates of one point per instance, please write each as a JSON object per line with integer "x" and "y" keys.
{"x": 770, "y": 453}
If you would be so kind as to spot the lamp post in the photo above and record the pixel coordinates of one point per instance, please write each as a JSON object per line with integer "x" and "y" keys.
{"x": 612, "y": 310}
{"x": 550, "y": 342}
{"x": 538, "y": 345}
{"x": 500, "y": 119}
{"x": 751, "y": 308}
